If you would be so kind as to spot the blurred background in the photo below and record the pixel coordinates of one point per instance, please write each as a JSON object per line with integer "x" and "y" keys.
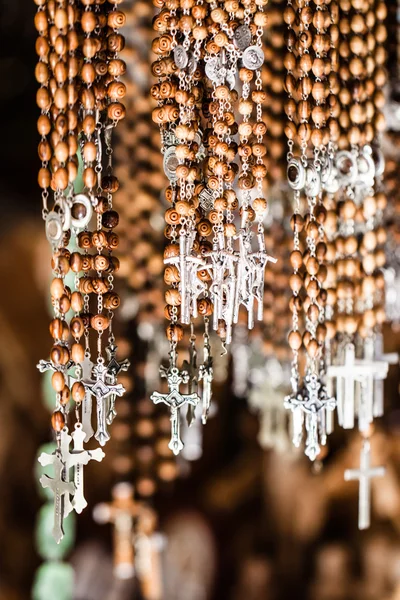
{"x": 240, "y": 515}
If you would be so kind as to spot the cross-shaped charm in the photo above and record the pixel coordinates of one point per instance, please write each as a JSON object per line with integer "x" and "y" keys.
{"x": 223, "y": 286}
{"x": 206, "y": 376}
{"x": 48, "y": 365}
{"x": 190, "y": 367}
{"x": 310, "y": 406}
{"x": 84, "y": 372}
{"x": 364, "y": 475}
{"x": 175, "y": 400}
{"x": 101, "y": 389}
{"x": 113, "y": 369}
{"x": 76, "y": 459}
{"x": 355, "y": 387}
{"x": 60, "y": 488}
{"x": 374, "y": 351}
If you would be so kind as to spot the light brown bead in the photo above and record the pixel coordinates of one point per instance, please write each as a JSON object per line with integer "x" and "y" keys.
{"x": 58, "y": 421}
{"x": 77, "y": 353}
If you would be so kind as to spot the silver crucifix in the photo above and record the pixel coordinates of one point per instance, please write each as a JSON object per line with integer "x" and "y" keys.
{"x": 113, "y": 369}
{"x": 206, "y": 375}
{"x": 175, "y": 400}
{"x": 101, "y": 389}
{"x": 309, "y": 406}
{"x": 192, "y": 370}
{"x": 364, "y": 475}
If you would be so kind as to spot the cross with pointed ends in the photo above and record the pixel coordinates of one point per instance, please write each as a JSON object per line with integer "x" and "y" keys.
{"x": 364, "y": 475}
{"x": 175, "y": 400}
{"x": 310, "y": 404}
{"x": 101, "y": 389}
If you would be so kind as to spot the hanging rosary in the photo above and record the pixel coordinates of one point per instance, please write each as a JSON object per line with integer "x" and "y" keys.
{"x": 79, "y": 98}
{"x": 215, "y": 256}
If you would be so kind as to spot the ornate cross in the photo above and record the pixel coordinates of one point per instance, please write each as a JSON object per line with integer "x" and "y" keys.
{"x": 175, "y": 400}
{"x": 223, "y": 286}
{"x": 60, "y": 487}
{"x": 310, "y": 406}
{"x": 101, "y": 389}
{"x": 84, "y": 372}
{"x": 76, "y": 459}
{"x": 273, "y": 433}
{"x": 364, "y": 475}
{"x": 113, "y": 369}
{"x": 206, "y": 376}
{"x": 355, "y": 387}
{"x": 392, "y": 358}
{"x": 193, "y": 379}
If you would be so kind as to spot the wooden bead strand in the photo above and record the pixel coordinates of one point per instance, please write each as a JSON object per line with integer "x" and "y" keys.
{"x": 71, "y": 103}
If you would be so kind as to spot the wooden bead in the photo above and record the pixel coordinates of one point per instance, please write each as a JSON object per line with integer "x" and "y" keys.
{"x": 110, "y": 183}
{"x": 56, "y": 328}
{"x": 173, "y": 297}
{"x": 100, "y": 322}
{"x": 174, "y": 332}
{"x": 77, "y": 327}
{"x": 111, "y": 300}
{"x": 57, "y": 381}
{"x": 77, "y": 353}
{"x": 99, "y": 239}
{"x": 295, "y": 340}
{"x": 57, "y": 288}
{"x": 110, "y": 219}
{"x": 65, "y": 395}
{"x": 78, "y": 392}
{"x": 58, "y": 421}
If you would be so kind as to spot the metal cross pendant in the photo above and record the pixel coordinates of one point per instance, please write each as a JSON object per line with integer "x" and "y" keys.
{"x": 175, "y": 400}
{"x": 260, "y": 260}
{"x": 206, "y": 376}
{"x": 81, "y": 457}
{"x": 60, "y": 488}
{"x": 364, "y": 475}
{"x": 310, "y": 406}
{"x": 113, "y": 369}
{"x": 101, "y": 389}
{"x": 85, "y": 373}
{"x": 76, "y": 459}
{"x": 355, "y": 387}
{"x": 193, "y": 382}
{"x": 374, "y": 351}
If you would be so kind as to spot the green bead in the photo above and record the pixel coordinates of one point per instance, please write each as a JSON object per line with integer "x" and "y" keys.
{"x": 53, "y": 580}
{"x": 46, "y": 545}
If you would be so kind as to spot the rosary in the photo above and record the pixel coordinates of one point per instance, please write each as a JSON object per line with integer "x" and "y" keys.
{"x": 215, "y": 256}
{"x": 79, "y": 99}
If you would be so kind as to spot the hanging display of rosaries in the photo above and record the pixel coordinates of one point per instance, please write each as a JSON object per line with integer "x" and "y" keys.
{"x": 230, "y": 79}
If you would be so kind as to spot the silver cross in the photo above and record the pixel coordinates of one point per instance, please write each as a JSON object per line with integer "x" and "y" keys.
{"x": 175, "y": 400}
{"x": 84, "y": 372}
{"x": 309, "y": 406}
{"x": 206, "y": 376}
{"x": 74, "y": 459}
{"x": 364, "y": 475}
{"x": 192, "y": 370}
{"x": 355, "y": 387}
{"x": 101, "y": 389}
{"x": 60, "y": 487}
{"x": 113, "y": 369}
{"x": 223, "y": 286}
{"x": 374, "y": 350}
